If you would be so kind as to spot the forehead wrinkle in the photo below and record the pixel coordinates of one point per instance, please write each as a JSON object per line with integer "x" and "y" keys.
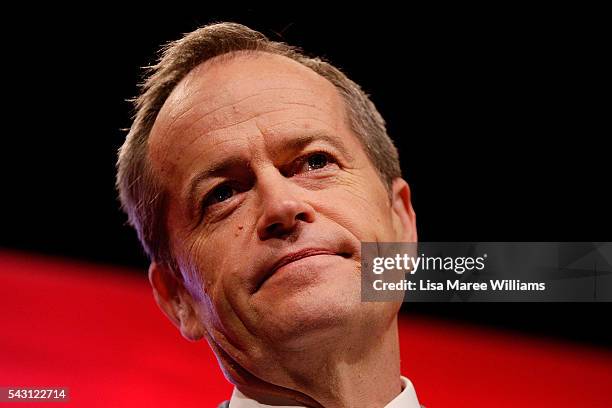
{"x": 211, "y": 133}
{"x": 270, "y": 128}
{"x": 226, "y": 80}
{"x": 229, "y": 105}
{"x": 217, "y": 146}
{"x": 232, "y": 125}
{"x": 223, "y": 68}
{"x": 196, "y": 137}
{"x": 224, "y": 94}
{"x": 185, "y": 111}
{"x": 308, "y": 105}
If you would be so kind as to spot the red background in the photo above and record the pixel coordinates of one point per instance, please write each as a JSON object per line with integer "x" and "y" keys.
{"x": 96, "y": 330}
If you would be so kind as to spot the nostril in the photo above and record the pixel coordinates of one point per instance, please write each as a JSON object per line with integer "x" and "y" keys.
{"x": 279, "y": 230}
{"x": 278, "y": 227}
{"x": 281, "y": 219}
{"x": 273, "y": 228}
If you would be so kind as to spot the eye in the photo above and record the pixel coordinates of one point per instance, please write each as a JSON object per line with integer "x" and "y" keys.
{"x": 312, "y": 162}
{"x": 317, "y": 161}
{"x": 219, "y": 194}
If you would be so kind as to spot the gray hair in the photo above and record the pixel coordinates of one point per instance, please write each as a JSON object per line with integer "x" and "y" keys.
{"x": 143, "y": 198}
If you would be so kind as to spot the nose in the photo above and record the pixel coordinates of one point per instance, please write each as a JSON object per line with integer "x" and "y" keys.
{"x": 283, "y": 207}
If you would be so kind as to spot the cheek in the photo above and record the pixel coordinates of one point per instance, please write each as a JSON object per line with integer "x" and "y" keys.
{"x": 362, "y": 210}
{"x": 215, "y": 278}
{"x": 202, "y": 265}
{"x": 213, "y": 253}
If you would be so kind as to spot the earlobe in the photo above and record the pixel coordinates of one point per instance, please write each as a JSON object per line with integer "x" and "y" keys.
{"x": 174, "y": 300}
{"x": 404, "y": 219}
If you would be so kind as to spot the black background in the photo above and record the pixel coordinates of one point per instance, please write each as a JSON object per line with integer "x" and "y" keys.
{"x": 501, "y": 117}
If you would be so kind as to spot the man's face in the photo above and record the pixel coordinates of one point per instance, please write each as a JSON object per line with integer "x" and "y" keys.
{"x": 270, "y": 194}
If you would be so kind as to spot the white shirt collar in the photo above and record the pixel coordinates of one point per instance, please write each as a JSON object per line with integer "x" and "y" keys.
{"x": 406, "y": 399}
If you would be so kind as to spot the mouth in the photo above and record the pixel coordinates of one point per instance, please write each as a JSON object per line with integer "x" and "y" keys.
{"x": 296, "y": 256}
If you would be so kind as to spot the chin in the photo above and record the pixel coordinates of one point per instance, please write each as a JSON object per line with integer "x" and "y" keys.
{"x": 314, "y": 303}
{"x": 315, "y": 316}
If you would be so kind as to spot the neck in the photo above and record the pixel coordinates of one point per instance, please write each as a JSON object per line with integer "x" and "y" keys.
{"x": 336, "y": 374}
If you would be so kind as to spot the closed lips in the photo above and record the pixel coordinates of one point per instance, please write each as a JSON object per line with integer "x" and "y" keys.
{"x": 297, "y": 256}
{"x": 293, "y": 257}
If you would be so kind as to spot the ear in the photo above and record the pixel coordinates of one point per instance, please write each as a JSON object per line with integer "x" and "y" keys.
{"x": 175, "y": 300}
{"x": 404, "y": 218}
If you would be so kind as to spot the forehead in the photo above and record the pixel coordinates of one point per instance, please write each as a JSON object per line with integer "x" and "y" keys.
{"x": 227, "y": 99}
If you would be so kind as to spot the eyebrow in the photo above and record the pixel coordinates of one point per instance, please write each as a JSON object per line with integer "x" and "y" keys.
{"x": 214, "y": 170}
{"x": 293, "y": 144}
{"x": 300, "y": 142}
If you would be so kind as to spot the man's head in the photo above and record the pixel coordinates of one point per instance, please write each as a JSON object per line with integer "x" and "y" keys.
{"x": 252, "y": 173}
